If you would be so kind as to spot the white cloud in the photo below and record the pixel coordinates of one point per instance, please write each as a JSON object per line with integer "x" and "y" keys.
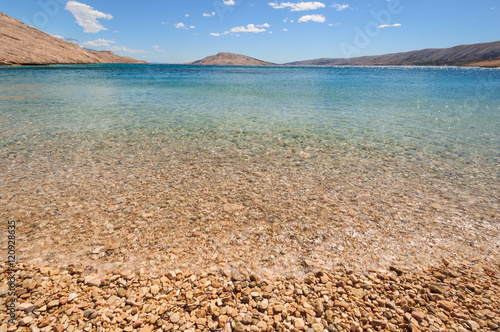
{"x": 187, "y": 15}
{"x": 229, "y": 2}
{"x": 315, "y": 18}
{"x": 98, "y": 42}
{"x": 126, "y": 49}
{"x": 71, "y": 40}
{"x": 248, "y": 28}
{"x": 58, "y": 37}
{"x": 333, "y": 25}
{"x": 299, "y": 6}
{"x": 87, "y": 16}
{"x": 285, "y": 29}
{"x": 209, "y": 14}
{"x": 181, "y": 25}
{"x": 389, "y": 25}
{"x": 158, "y": 49}
{"x": 340, "y": 7}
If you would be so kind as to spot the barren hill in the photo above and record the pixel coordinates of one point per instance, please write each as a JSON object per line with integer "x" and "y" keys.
{"x": 493, "y": 63}
{"x": 463, "y": 55}
{"x": 21, "y": 44}
{"x": 225, "y": 58}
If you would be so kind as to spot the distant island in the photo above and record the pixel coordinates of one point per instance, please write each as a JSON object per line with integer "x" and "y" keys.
{"x": 231, "y": 59}
{"x": 21, "y": 44}
{"x": 476, "y": 55}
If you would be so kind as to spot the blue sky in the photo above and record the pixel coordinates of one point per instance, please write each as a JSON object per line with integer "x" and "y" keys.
{"x": 177, "y": 31}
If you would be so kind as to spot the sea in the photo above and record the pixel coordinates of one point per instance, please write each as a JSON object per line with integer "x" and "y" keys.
{"x": 327, "y": 165}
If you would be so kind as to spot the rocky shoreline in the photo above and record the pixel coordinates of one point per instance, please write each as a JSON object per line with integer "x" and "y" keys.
{"x": 448, "y": 297}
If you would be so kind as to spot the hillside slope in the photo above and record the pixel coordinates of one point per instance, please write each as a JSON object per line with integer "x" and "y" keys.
{"x": 21, "y": 44}
{"x": 462, "y": 55}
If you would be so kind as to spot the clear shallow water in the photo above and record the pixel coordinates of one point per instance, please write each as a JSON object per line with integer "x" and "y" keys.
{"x": 431, "y": 109}
{"x": 430, "y": 134}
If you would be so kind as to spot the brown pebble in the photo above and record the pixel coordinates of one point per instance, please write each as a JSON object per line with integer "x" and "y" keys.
{"x": 418, "y": 315}
{"x": 59, "y": 328}
{"x": 446, "y": 305}
{"x": 137, "y": 323}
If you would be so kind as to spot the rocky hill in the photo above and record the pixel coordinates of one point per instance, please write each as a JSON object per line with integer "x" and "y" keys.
{"x": 21, "y": 44}
{"x": 231, "y": 59}
{"x": 463, "y": 55}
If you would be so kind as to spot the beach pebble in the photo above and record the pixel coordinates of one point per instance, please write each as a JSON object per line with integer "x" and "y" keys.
{"x": 236, "y": 275}
{"x": 174, "y": 318}
{"x": 299, "y": 324}
{"x": 26, "y": 320}
{"x": 72, "y": 296}
{"x": 92, "y": 281}
{"x": 24, "y": 306}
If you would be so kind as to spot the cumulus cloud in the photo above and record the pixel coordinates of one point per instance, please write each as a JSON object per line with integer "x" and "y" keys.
{"x": 87, "y": 16}
{"x": 209, "y": 14}
{"x": 340, "y": 7}
{"x": 99, "y": 42}
{"x": 314, "y": 18}
{"x": 250, "y": 28}
{"x": 229, "y": 2}
{"x": 299, "y": 6}
{"x": 181, "y": 25}
{"x": 389, "y": 25}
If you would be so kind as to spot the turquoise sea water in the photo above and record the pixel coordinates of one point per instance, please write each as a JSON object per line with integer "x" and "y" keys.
{"x": 430, "y": 134}
{"x": 428, "y": 109}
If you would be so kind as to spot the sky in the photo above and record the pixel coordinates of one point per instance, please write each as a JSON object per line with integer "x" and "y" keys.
{"x": 179, "y": 31}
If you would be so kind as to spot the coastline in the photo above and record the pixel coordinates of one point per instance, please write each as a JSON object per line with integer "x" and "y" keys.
{"x": 150, "y": 189}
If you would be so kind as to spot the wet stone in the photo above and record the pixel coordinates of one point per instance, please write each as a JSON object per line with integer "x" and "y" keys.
{"x": 237, "y": 276}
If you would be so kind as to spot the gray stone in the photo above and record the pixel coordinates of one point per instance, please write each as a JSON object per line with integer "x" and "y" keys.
{"x": 236, "y": 275}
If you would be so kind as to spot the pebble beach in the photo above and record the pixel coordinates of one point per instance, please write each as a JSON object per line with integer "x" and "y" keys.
{"x": 445, "y": 298}
{"x": 238, "y": 248}
{"x": 215, "y": 199}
